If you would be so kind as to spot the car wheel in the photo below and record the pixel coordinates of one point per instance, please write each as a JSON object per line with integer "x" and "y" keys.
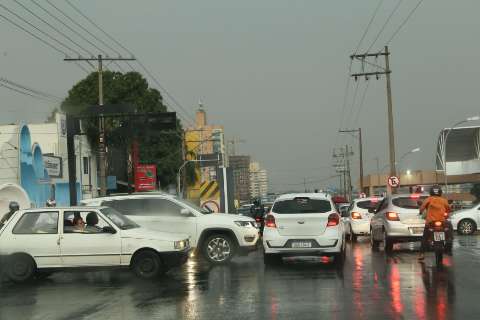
{"x": 373, "y": 243}
{"x": 270, "y": 259}
{"x": 388, "y": 243}
{"x": 218, "y": 249}
{"x": 466, "y": 227}
{"x": 353, "y": 236}
{"x": 147, "y": 265}
{"x": 21, "y": 268}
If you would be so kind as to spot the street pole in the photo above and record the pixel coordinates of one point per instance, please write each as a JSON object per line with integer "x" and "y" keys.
{"x": 391, "y": 133}
{"x": 101, "y": 118}
{"x": 384, "y": 71}
{"x": 360, "y": 147}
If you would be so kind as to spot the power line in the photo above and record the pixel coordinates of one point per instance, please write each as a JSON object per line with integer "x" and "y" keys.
{"x": 404, "y": 21}
{"x": 41, "y": 40}
{"x": 34, "y": 91}
{"x": 385, "y": 24}
{"x": 52, "y": 27}
{"x": 369, "y": 24}
{"x": 145, "y": 69}
{"x": 26, "y": 93}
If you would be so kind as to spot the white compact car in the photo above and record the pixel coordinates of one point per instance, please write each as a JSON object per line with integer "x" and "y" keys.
{"x": 357, "y": 218}
{"x": 36, "y": 242}
{"x": 466, "y": 221}
{"x": 303, "y": 224}
{"x": 218, "y": 236}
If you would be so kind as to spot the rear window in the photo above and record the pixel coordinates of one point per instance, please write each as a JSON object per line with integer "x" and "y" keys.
{"x": 302, "y": 205}
{"x": 367, "y": 204}
{"x": 408, "y": 202}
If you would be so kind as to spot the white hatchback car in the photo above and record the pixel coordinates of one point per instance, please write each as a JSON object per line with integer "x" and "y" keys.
{"x": 36, "y": 242}
{"x": 357, "y": 218}
{"x": 466, "y": 221}
{"x": 303, "y": 224}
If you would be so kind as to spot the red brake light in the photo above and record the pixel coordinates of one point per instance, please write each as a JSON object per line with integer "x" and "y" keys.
{"x": 270, "y": 221}
{"x": 333, "y": 220}
{"x": 356, "y": 215}
{"x": 438, "y": 223}
{"x": 392, "y": 216}
{"x": 257, "y": 219}
{"x": 445, "y": 215}
{"x": 415, "y": 196}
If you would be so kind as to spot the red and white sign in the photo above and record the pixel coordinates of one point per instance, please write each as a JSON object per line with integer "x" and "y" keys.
{"x": 394, "y": 182}
{"x": 145, "y": 177}
{"x": 211, "y": 205}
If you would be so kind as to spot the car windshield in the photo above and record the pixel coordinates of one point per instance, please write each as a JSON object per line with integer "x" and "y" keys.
{"x": 194, "y": 206}
{"x": 409, "y": 202}
{"x": 301, "y": 205}
{"x": 119, "y": 219}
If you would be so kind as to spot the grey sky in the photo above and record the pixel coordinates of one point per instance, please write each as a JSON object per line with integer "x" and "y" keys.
{"x": 273, "y": 72}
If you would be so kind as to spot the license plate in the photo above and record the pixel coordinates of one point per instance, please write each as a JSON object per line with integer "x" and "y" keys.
{"x": 298, "y": 244}
{"x": 418, "y": 230}
{"x": 439, "y": 236}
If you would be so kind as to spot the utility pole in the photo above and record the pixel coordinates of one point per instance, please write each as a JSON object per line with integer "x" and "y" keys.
{"x": 342, "y": 166}
{"x": 385, "y": 71}
{"x": 349, "y": 176}
{"x": 360, "y": 147}
{"x": 101, "y": 118}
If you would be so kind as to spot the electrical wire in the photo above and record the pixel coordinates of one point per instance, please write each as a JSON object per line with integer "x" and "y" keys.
{"x": 385, "y": 24}
{"x": 404, "y": 21}
{"x": 368, "y": 26}
{"x": 34, "y": 91}
{"x": 26, "y": 93}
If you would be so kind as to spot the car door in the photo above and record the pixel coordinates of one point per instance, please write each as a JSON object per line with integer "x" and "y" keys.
{"x": 91, "y": 246}
{"x": 37, "y": 234}
{"x": 168, "y": 217}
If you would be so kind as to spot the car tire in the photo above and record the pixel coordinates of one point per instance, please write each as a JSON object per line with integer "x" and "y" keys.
{"x": 147, "y": 265}
{"x": 270, "y": 259}
{"x": 353, "y": 236}
{"x": 218, "y": 249}
{"x": 466, "y": 227}
{"x": 373, "y": 243}
{"x": 339, "y": 258}
{"x": 388, "y": 243}
{"x": 21, "y": 268}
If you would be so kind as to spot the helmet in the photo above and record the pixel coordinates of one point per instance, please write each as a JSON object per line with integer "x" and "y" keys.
{"x": 51, "y": 203}
{"x": 436, "y": 190}
{"x": 14, "y": 206}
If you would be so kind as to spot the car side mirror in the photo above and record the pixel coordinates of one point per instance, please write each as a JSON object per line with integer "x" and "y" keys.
{"x": 186, "y": 213}
{"x": 109, "y": 229}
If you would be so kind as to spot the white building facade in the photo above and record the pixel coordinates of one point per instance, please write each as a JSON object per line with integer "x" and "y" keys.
{"x": 258, "y": 181}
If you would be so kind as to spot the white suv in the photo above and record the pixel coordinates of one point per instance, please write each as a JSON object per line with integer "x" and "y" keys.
{"x": 303, "y": 224}
{"x": 218, "y": 236}
{"x": 36, "y": 242}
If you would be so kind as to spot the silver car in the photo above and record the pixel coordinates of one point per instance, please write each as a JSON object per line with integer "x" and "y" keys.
{"x": 397, "y": 219}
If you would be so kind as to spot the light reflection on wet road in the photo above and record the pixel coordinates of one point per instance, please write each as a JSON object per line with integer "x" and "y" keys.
{"x": 371, "y": 286}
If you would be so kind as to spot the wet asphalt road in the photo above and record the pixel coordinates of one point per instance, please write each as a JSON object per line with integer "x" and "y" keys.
{"x": 370, "y": 286}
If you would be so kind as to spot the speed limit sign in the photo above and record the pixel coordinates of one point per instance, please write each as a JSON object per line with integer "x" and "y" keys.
{"x": 393, "y": 182}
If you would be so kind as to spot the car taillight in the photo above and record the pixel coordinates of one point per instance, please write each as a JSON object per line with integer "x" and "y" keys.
{"x": 270, "y": 221}
{"x": 437, "y": 223}
{"x": 257, "y": 219}
{"x": 392, "y": 216}
{"x": 333, "y": 220}
{"x": 356, "y": 215}
{"x": 445, "y": 215}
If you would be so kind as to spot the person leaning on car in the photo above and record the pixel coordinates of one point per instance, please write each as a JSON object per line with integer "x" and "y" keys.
{"x": 13, "y": 207}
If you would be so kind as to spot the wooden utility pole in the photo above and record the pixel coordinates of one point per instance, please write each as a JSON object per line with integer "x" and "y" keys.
{"x": 101, "y": 118}
{"x": 385, "y": 71}
{"x": 360, "y": 152}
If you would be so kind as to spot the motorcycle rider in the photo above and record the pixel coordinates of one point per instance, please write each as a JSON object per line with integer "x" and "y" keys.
{"x": 12, "y": 207}
{"x": 437, "y": 207}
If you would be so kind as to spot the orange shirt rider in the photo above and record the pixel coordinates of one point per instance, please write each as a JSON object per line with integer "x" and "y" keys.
{"x": 436, "y": 208}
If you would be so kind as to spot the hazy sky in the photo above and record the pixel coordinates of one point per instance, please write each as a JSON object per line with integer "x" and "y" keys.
{"x": 273, "y": 72}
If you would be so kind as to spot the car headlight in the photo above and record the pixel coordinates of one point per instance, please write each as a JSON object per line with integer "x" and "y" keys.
{"x": 182, "y": 244}
{"x": 245, "y": 223}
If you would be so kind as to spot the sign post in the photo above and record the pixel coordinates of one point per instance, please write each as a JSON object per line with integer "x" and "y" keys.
{"x": 394, "y": 182}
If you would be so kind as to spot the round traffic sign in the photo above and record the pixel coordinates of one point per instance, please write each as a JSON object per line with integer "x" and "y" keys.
{"x": 211, "y": 205}
{"x": 394, "y": 181}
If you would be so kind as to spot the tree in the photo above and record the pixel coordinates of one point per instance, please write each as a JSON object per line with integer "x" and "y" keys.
{"x": 475, "y": 191}
{"x": 160, "y": 148}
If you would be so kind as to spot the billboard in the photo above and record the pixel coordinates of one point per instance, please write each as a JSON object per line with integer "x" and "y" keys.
{"x": 53, "y": 165}
{"x": 145, "y": 177}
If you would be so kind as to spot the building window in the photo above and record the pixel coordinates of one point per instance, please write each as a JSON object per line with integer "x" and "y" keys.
{"x": 86, "y": 165}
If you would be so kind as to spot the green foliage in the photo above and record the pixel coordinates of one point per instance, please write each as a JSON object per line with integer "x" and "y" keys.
{"x": 475, "y": 191}
{"x": 162, "y": 149}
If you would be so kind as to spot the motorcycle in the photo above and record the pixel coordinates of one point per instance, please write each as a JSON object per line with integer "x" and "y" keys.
{"x": 440, "y": 239}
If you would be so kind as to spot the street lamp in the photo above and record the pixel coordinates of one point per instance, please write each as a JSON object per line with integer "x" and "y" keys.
{"x": 469, "y": 119}
{"x": 398, "y": 163}
{"x": 179, "y": 173}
